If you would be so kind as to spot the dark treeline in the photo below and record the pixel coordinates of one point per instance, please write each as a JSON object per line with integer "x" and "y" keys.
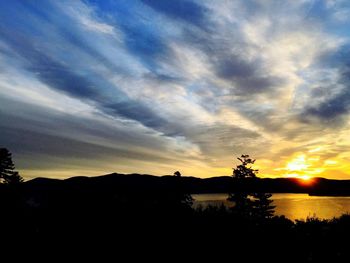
{"x": 154, "y": 215}
{"x": 221, "y": 184}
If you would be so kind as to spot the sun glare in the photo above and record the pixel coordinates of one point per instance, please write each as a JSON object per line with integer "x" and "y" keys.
{"x": 297, "y": 167}
{"x": 304, "y": 177}
{"x": 306, "y": 180}
{"x": 297, "y": 164}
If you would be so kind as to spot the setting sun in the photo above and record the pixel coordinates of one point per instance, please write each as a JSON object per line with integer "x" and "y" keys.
{"x": 306, "y": 180}
{"x": 305, "y": 177}
{"x": 300, "y": 166}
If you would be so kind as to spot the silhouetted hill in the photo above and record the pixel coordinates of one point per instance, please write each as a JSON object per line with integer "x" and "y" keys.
{"x": 141, "y": 183}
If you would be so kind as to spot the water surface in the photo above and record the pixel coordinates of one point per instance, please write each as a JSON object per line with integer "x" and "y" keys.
{"x": 293, "y": 206}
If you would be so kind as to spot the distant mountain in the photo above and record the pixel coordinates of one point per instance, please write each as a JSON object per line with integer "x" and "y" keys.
{"x": 142, "y": 183}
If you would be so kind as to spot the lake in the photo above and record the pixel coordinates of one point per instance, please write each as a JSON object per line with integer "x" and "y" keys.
{"x": 293, "y": 206}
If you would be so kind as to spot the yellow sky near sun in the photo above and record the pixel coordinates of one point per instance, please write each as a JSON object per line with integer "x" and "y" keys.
{"x": 308, "y": 165}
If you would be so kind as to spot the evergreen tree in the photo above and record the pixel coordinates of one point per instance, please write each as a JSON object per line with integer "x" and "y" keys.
{"x": 243, "y": 205}
{"x": 257, "y": 205}
{"x": 262, "y": 205}
{"x": 8, "y": 175}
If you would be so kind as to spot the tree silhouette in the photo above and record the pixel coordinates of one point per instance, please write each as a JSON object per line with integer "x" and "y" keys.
{"x": 243, "y": 204}
{"x": 180, "y": 195}
{"x": 257, "y": 205}
{"x": 177, "y": 173}
{"x": 8, "y": 175}
{"x": 262, "y": 205}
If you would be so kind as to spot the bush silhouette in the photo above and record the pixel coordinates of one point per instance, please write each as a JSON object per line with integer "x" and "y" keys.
{"x": 177, "y": 173}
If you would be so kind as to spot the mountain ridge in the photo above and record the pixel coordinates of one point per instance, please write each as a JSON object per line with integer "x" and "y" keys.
{"x": 194, "y": 185}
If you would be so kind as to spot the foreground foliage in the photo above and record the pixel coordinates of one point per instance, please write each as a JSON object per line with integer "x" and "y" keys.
{"x": 155, "y": 223}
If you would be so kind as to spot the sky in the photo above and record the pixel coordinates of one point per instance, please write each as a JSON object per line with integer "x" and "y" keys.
{"x": 93, "y": 87}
